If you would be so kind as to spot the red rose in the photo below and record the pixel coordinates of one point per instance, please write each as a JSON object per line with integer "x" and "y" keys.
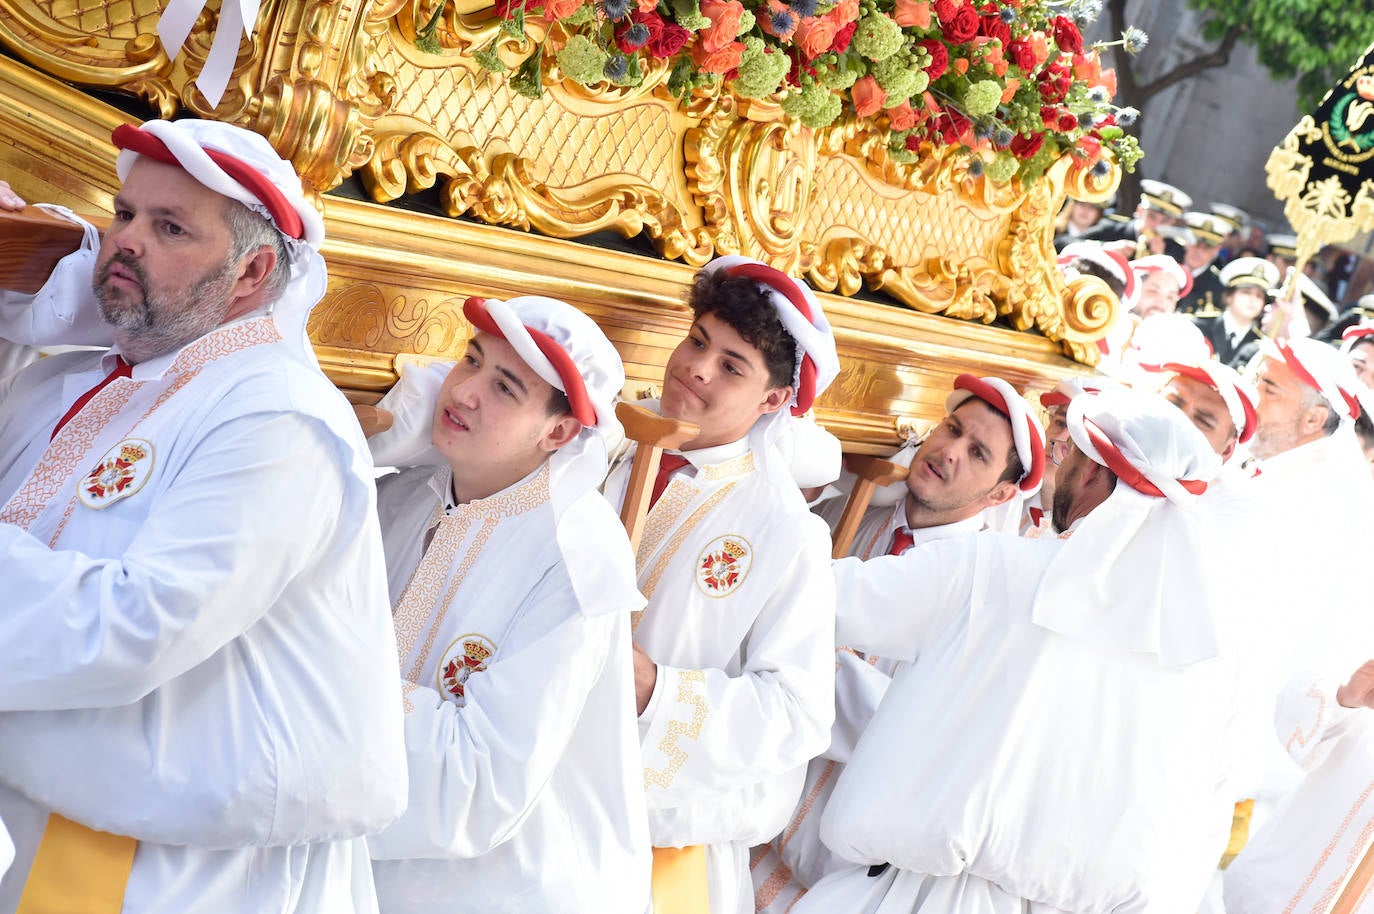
{"x": 939, "y": 58}
{"x": 652, "y": 21}
{"x": 993, "y": 27}
{"x": 1049, "y": 116}
{"x": 1022, "y": 54}
{"x": 944, "y": 10}
{"x": 951, "y": 125}
{"x": 1023, "y": 147}
{"x": 669, "y": 41}
{"x": 1066, "y": 35}
{"x": 843, "y": 37}
{"x": 1067, "y": 121}
{"x": 962, "y": 27}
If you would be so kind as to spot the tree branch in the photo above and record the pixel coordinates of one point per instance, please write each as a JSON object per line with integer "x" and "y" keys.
{"x": 1190, "y": 68}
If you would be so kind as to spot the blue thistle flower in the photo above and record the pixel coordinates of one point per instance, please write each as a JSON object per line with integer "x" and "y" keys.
{"x": 1085, "y": 120}
{"x": 1007, "y": 15}
{"x": 804, "y": 8}
{"x": 1127, "y": 116}
{"x": 616, "y": 66}
{"x": 1002, "y": 137}
{"x": 637, "y": 34}
{"x": 1100, "y": 169}
{"x": 983, "y": 130}
{"x": 975, "y": 168}
{"x": 615, "y": 9}
{"x": 782, "y": 21}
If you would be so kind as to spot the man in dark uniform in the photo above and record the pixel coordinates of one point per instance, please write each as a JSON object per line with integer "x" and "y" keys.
{"x": 1202, "y": 239}
{"x": 1160, "y": 205}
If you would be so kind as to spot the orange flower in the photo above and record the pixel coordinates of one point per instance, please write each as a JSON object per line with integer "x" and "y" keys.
{"x": 1107, "y": 79}
{"x": 646, "y": 6}
{"x": 1040, "y": 46}
{"x": 868, "y": 97}
{"x": 814, "y": 36}
{"x": 725, "y": 17}
{"x": 719, "y": 61}
{"x": 1086, "y": 66}
{"x": 902, "y": 117}
{"x": 845, "y": 11}
{"x": 912, "y": 12}
{"x": 560, "y": 9}
{"x": 1009, "y": 90}
{"x": 960, "y": 64}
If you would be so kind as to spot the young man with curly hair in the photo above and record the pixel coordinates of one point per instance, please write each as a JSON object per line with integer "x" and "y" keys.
{"x": 734, "y": 660}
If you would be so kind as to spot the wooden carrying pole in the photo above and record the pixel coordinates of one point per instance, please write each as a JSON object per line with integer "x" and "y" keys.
{"x": 1358, "y": 885}
{"x": 32, "y": 241}
{"x": 871, "y": 472}
{"x": 652, "y": 433}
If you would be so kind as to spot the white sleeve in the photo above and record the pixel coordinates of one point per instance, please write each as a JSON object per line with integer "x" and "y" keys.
{"x": 239, "y": 522}
{"x": 1309, "y": 721}
{"x": 859, "y": 688}
{"x": 477, "y": 770}
{"x": 891, "y": 604}
{"x": 709, "y": 737}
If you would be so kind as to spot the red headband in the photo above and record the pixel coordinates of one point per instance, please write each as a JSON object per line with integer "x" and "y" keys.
{"x": 781, "y": 283}
{"x": 1125, "y": 470}
{"x": 1197, "y": 374}
{"x": 1053, "y": 398}
{"x": 993, "y": 397}
{"x": 134, "y": 139}
{"x": 1355, "y": 333}
{"x": 574, "y": 385}
{"x": 1299, "y": 369}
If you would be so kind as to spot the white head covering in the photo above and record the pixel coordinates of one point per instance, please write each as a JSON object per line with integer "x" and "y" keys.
{"x": 817, "y": 363}
{"x": 243, "y": 166}
{"x": 1154, "y": 263}
{"x": 1027, "y": 434}
{"x": 1115, "y": 264}
{"x": 1322, "y": 368}
{"x": 1353, "y": 335}
{"x": 568, "y": 350}
{"x": 1132, "y": 575}
{"x": 1239, "y": 395}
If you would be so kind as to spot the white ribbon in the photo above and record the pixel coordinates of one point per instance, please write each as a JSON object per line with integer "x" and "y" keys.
{"x": 235, "y": 19}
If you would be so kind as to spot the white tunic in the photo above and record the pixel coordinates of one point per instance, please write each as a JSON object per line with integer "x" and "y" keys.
{"x": 523, "y": 749}
{"x": 796, "y": 859}
{"x": 1299, "y": 861}
{"x": 741, "y": 623}
{"x": 202, "y": 660}
{"x": 1009, "y": 765}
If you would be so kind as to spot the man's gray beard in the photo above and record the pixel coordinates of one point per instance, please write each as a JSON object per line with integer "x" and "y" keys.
{"x": 1270, "y": 443}
{"x": 157, "y": 326}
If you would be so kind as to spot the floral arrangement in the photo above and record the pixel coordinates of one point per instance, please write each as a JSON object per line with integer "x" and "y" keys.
{"x": 1007, "y": 83}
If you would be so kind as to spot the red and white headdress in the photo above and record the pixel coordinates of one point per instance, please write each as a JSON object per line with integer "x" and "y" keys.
{"x": 1067, "y": 388}
{"x": 1131, "y": 576}
{"x": 817, "y": 362}
{"x": 1239, "y": 394}
{"x": 1353, "y": 335}
{"x": 1154, "y": 263}
{"x": 1322, "y": 368}
{"x": 1026, "y": 431}
{"x": 1114, "y": 263}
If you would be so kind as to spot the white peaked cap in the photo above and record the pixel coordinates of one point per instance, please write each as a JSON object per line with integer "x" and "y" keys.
{"x": 1322, "y": 368}
{"x": 1131, "y": 576}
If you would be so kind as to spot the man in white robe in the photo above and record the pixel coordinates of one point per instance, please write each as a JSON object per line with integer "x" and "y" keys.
{"x": 1059, "y": 741}
{"x": 977, "y": 466}
{"x": 200, "y": 710}
{"x": 735, "y": 658}
{"x": 513, "y": 584}
{"x": 1315, "y": 485}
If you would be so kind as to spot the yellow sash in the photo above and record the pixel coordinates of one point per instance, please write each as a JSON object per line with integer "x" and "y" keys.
{"x": 679, "y": 880}
{"x": 78, "y": 871}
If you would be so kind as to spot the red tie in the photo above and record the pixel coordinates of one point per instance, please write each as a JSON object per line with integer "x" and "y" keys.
{"x": 902, "y": 540}
{"x": 122, "y": 369}
{"x": 668, "y": 464}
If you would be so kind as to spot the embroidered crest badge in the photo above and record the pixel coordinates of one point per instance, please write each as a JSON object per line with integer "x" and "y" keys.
{"x": 468, "y": 654}
{"x": 120, "y": 473}
{"x": 723, "y": 565}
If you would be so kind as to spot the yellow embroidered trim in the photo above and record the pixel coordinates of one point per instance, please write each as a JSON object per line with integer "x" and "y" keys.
{"x": 677, "y": 757}
{"x": 406, "y": 688}
{"x": 666, "y": 556}
{"x": 735, "y": 466}
{"x": 663, "y": 518}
